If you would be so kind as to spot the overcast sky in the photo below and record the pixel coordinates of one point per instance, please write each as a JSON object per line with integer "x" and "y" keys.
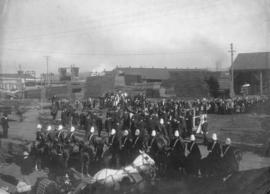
{"x": 101, "y": 34}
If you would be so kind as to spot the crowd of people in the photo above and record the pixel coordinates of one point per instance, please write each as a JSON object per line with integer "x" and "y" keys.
{"x": 121, "y": 126}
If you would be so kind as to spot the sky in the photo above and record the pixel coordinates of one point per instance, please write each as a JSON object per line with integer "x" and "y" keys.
{"x": 98, "y": 35}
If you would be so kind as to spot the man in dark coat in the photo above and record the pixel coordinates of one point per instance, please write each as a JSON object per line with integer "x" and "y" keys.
{"x": 125, "y": 148}
{"x": 193, "y": 158}
{"x": 177, "y": 151}
{"x": 152, "y": 145}
{"x": 189, "y": 122}
{"x": 214, "y": 156}
{"x": 5, "y": 125}
{"x": 114, "y": 147}
{"x": 99, "y": 125}
{"x": 137, "y": 143}
{"x": 229, "y": 163}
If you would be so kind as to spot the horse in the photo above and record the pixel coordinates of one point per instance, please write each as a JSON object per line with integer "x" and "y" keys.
{"x": 132, "y": 176}
{"x": 225, "y": 168}
{"x": 158, "y": 152}
{"x": 3, "y": 191}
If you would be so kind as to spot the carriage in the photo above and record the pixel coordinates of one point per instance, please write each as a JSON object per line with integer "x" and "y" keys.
{"x": 134, "y": 177}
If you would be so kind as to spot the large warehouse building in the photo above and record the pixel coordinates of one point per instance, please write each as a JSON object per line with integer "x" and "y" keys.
{"x": 155, "y": 82}
{"x": 252, "y": 69}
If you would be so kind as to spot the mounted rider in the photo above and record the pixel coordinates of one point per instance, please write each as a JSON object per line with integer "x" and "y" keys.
{"x": 137, "y": 143}
{"x": 71, "y": 138}
{"x": 91, "y": 137}
{"x": 40, "y": 135}
{"x": 152, "y": 147}
{"x": 177, "y": 151}
{"x": 193, "y": 157}
{"x": 114, "y": 146}
{"x": 228, "y": 160}
{"x": 50, "y": 136}
{"x": 214, "y": 156}
{"x": 125, "y": 148}
{"x": 60, "y": 135}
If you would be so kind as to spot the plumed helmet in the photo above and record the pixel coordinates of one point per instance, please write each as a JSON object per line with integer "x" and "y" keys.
{"x": 60, "y": 127}
{"x": 72, "y": 129}
{"x": 137, "y": 132}
{"x": 49, "y": 128}
{"x": 153, "y": 133}
{"x": 192, "y": 138}
{"x": 92, "y": 129}
{"x": 176, "y": 133}
{"x": 125, "y": 132}
{"x": 214, "y": 136}
{"x": 113, "y": 132}
{"x": 228, "y": 141}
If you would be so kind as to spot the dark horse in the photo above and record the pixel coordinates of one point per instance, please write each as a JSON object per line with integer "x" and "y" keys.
{"x": 157, "y": 150}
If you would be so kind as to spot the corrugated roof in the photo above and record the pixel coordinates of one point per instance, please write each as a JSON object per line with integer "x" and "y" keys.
{"x": 252, "y": 61}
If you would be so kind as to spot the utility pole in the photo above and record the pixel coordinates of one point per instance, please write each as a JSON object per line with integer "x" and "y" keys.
{"x": 44, "y": 90}
{"x": 47, "y": 74}
{"x": 232, "y": 70}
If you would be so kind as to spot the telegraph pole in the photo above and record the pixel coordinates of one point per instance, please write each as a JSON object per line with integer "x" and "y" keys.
{"x": 47, "y": 64}
{"x": 232, "y": 70}
{"x": 44, "y": 90}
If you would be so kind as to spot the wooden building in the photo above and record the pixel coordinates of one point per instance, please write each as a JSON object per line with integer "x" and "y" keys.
{"x": 252, "y": 69}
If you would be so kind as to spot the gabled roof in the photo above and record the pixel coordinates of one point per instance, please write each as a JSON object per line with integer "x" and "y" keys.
{"x": 252, "y": 61}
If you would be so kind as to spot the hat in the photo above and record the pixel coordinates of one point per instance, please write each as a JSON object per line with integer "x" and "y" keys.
{"x": 154, "y": 133}
{"x": 176, "y": 133}
{"x": 49, "y": 128}
{"x": 137, "y": 132}
{"x": 25, "y": 153}
{"x": 125, "y": 132}
{"x": 39, "y": 126}
{"x": 113, "y": 132}
{"x": 92, "y": 129}
{"x": 228, "y": 141}
{"x": 161, "y": 121}
{"x": 60, "y": 127}
{"x": 192, "y": 137}
{"x": 72, "y": 129}
{"x": 214, "y": 136}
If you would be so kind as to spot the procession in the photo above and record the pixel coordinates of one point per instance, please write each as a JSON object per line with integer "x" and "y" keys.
{"x": 127, "y": 97}
{"x": 163, "y": 131}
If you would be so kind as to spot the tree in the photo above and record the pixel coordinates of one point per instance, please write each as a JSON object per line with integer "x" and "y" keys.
{"x": 213, "y": 86}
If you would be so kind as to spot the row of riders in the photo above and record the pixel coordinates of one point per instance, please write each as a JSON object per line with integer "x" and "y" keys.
{"x": 55, "y": 148}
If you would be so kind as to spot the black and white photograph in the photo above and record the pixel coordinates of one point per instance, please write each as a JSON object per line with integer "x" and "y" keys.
{"x": 134, "y": 96}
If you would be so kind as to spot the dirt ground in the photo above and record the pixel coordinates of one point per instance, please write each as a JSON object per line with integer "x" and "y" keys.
{"x": 249, "y": 132}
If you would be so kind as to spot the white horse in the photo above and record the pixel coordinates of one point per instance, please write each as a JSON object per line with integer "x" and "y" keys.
{"x": 3, "y": 191}
{"x": 135, "y": 175}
